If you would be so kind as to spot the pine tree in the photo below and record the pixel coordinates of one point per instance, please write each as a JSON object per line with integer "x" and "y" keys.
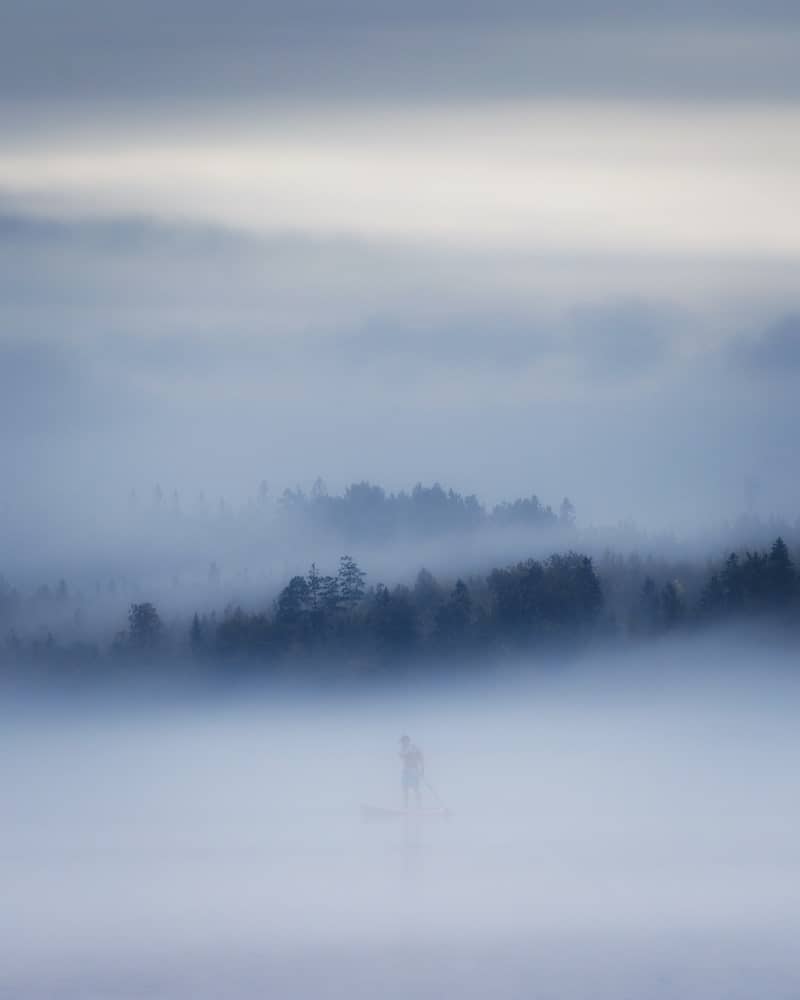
{"x": 144, "y": 626}
{"x": 292, "y": 602}
{"x": 453, "y": 619}
{"x": 314, "y": 583}
{"x": 196, "y": 634}
{"x": 672, "y": 607}
{"x": 781, "y": 577}
{"x": 329, "y": 594}
{"x": 351, "y": 581}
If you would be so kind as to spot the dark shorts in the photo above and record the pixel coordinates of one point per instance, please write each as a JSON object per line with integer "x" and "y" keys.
{"x": 411, "y": 779}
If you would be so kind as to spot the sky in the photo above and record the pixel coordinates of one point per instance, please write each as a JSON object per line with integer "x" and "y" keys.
{"x": 506, "y": 247}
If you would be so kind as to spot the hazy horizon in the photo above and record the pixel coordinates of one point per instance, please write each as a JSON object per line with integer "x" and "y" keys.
{"x": 519, "y": 251}
{"x": 504, "y": 295}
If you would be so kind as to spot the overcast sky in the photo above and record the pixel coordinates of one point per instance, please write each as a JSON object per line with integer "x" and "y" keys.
{"x": 505, "y": 247}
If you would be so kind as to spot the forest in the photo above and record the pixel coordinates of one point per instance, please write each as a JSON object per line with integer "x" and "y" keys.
{"x": 565, "y": 601}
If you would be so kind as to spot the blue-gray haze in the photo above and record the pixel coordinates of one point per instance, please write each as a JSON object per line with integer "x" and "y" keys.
{"x": 624, "y": 829}
{"x": 515, "y": 248}
{"x": 510, "y": 249}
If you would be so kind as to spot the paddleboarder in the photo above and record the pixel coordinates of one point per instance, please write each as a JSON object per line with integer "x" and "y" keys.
{"x": 413, "y": 770}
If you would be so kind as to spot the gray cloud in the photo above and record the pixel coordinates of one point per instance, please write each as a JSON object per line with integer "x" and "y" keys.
{"x": 775, "y": 352}
{"x": 618, "y": 339}
{"x": 624, "y": 338}
{"x": 89, "y": 49}
{"x": 463, "y": 343}
{"x": 276, "y": 241}
{"x": 230, "y": 296}
{"x": 40, "y": 388}
{"x": 136, "y": 350}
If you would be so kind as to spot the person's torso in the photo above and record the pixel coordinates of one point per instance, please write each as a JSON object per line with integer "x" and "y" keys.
{"x": 412, "y": 759}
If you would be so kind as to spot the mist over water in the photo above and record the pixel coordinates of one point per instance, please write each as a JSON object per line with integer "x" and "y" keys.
{"x": 620, "y": 827}
{"x": 372, "y": 368}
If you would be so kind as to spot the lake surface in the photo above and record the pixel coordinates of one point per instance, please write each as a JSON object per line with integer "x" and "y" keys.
{"x": 606, "y": 841}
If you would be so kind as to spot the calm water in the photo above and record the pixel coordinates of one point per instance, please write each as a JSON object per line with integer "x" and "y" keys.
{"x": 606, "y": 842}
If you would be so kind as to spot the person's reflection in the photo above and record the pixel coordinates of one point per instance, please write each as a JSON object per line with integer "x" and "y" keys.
{"x": 412, "y": 845}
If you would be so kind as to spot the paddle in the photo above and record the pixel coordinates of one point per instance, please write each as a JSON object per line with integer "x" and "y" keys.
{"x": 435, "y": 794}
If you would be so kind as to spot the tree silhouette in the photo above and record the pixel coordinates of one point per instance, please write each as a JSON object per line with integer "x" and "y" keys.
{"x": 196, "y": 634}
{"x": 453, "y": 618}
{"x": 351, "y": 581}
{"x": 144, "y": 627}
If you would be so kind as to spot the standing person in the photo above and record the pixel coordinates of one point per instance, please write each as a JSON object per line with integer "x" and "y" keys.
{"x": 413, "y": 770}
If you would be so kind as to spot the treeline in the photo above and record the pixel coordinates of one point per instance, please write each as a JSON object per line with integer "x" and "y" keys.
{"x": 748, "y": 586}
{"x": 553, "y": 601}
{"x": 560, "y": 601}
{"x": 556, "y": 599}
{"x": 366, "y": 512}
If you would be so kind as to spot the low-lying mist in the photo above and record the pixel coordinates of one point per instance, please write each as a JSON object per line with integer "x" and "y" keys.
{"x": 78, "y": 583}
{"x": 623, "y": 825}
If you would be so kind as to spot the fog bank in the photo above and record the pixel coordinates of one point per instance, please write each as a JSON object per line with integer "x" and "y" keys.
{"x": 625, "y": 828}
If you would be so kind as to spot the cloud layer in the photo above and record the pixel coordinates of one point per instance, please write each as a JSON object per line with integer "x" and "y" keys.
{"x": 511, "y": 250}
